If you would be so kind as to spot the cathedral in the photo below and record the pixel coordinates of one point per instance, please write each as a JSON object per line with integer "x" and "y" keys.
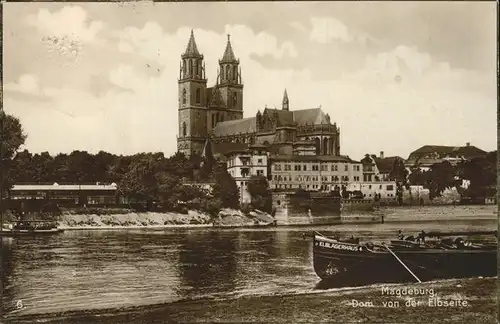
{"x": 214, "y": 115}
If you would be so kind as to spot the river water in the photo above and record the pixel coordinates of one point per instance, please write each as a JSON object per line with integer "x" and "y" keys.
{"x": 91, "y": 270}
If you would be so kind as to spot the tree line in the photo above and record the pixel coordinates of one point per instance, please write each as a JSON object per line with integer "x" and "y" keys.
{"x": 481, "y": 172}
{"x": 150, "y": 180}
{"x": 159, "y": 182}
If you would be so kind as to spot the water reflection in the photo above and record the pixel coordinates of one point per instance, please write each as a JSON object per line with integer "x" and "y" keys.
{"x": 113, "y": 269}
{"x": 6, "y": 269}
{"x": 207, "y": 262}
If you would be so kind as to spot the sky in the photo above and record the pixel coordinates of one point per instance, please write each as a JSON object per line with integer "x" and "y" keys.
{"x": 394, "y": 76}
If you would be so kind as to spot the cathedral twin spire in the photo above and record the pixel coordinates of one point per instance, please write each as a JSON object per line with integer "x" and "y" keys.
{"x": 192, "y": 65}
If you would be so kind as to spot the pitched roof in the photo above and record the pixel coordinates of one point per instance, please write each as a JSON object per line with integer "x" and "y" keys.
{"x": 228, "y": 53}
{"x": 468, "y": 151}
{"x": 311, "y": 116}
{"x": 234, "y": 127}
{"x": 284, "y": 117}
{"x": 385, "y": 165}
{"x": 57, "y": 187}
{"x": 221, "y": 149}
{"x": 191, "y": 48}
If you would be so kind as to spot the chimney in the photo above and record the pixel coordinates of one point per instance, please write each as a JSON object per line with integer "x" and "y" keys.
{"x": 381, "y": 154}
{"x": 467, "y": 144}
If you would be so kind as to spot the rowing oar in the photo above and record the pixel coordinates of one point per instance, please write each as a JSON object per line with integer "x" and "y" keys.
{"x": 402, "y": 263}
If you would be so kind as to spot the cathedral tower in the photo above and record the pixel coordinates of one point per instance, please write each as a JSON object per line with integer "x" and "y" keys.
{"x": 192, "y": 101}
{"x": 231, "y": 86}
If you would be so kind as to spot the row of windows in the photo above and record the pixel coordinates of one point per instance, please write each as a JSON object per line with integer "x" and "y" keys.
{"x": 243, "y": 161}
{"x": 316, "y": 187}
{"x": 307, "y": 178}
{"x": 314, "y": 167}
{"x": 387, "y": 187}
{"x": 198, "y": 97}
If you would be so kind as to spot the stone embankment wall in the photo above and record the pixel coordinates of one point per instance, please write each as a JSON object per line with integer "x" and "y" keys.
{"x": 317, "y": 209}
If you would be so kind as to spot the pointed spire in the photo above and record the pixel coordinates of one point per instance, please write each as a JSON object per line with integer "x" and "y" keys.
{"x": 191, "y": 49}
{"x": 285, "y": 97}
{"x": 228, "y": 53}
{"x": 285, "y": 105}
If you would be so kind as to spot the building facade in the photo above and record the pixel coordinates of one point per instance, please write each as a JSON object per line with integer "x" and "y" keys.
{"x": 313, "y": 173}
{"x": 215, "y": 113}
{"x": 243, "y": 164}
{"x": 379, "y": 168}
{"x": 385, "y": 189}
{"x": 70, "y": 195}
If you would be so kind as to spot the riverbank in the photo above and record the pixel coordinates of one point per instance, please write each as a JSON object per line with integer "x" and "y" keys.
{"x": 438, "y": 213}
{"x": 151, "y": 220}
{"x": 474, "y": 300}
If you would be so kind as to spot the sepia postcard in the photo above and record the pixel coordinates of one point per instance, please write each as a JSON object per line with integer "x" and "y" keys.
{"x": 248, "y": 162}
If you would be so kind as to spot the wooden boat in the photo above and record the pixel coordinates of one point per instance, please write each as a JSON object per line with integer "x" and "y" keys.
{"x": 26, "y": 227}
{"x": 427, "y": 258}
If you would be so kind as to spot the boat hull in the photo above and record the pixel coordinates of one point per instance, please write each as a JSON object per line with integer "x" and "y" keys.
{"x": 355, "y": 264}
{"x": 14, "y": 232}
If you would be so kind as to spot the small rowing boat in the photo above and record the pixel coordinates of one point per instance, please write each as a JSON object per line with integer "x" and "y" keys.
{"x": 27, "y": 227}
{"x": 427, "y": 257}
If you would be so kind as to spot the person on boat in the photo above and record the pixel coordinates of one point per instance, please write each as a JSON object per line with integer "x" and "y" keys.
{"x": 400, "y": 235}
{"x": 421, "y": 237}
{"x": 460, "y": 243}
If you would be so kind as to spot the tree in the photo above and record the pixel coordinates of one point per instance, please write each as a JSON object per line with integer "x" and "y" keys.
{"x": 102, "y": 165}
{"x": 22, "y": 167}
{"x": 225, "y": 188}
{"x": 417, "y": 176}
{"x": 81, "y": 167}
{"x": 440, "y": 177}
{"x": 258, "y": 188}
{"x": 11, "y": 135}
{"x": 482, "y": 174}
{"x": 11, "y": 138}
{"x": 42, "y": 165}
{"x": 398, "y": 173}
{"x": 140, "y": 183}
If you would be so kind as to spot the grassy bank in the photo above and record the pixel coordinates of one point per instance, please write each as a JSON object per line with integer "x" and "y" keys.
{"x": 335, "y": 306}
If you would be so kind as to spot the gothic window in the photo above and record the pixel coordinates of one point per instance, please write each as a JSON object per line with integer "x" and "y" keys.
{"x": 227, "y": 72}
{"x": 191, "y": 67}
{"x": 235, "y": 99}
{"x": 235, "y": 72}
{"x": 184, "y": 67}
{"x": 198, "y": 95}
{"x": 184, "y": 96}
{"x": 184, "y": 131}
{"x": 213, "y": 120}
{"x": 196, "y": 67}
